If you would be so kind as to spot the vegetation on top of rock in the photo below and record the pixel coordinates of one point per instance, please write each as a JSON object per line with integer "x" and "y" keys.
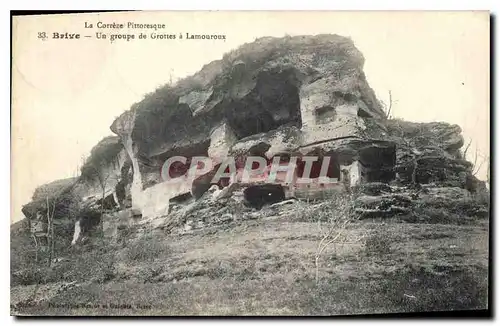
{"x": 104, "y": 153}
{"x": 426, "y": 134}
{"x": 57, "y": 194}
{"x": 274, "y": 47}
{"x": 53, "y": 189}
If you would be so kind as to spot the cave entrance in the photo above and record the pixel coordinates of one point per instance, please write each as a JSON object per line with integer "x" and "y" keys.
{"x": 182, "y": 198}
{"x": 202, "y": 183}
{"x": 325, "y": 114}
{"x": 272, "y": 103}
{"x": 178, "y": 201}
{"x": 377, "y": 164}
{"x": 107, "y": 203}
{"x": 176, "y": 169}
{"x": 261, "y": 195}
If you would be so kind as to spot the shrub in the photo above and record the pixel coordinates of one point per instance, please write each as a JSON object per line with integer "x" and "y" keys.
{"x": 27, "y": 276}
{"x": 334, "y": 220}
{"x": 146, "y": 249}
{"x": 377, "y": 244}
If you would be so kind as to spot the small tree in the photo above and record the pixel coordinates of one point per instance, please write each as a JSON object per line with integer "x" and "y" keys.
{"x": 466, "y": 149}
{"x": 50, "y": 228}
{"x": 64, "y": 203}
{"x": 387, "y": 108}
{"x": 38, "y": 229}
{"x": 413, "y": 153}
{"x": 488, "y": 174}
{"x": 97, "y": 166}
{"x": 477, "y": 165}
{"x": 333, "y": 224}
{"x": 99, "y": 173}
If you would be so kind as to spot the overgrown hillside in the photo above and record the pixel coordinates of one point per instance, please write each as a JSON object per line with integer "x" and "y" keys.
{"x": 266, "y": 264}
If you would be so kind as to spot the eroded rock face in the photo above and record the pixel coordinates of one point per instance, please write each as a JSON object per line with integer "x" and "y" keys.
{"x": 284, "y": 139}
{"x": 304, "y": 95}
{"x": 427, "y": 203}
{"x": 256, "y": 88}
{"x": 429, "y": 153}
{"x": 286, "y": 93}
{"x": 281, "y": 97}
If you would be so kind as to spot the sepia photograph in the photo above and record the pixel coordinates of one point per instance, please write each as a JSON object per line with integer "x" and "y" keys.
{"x": 250, "y": 163}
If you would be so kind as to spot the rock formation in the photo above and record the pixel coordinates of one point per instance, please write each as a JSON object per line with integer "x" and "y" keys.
{"x": 291, "y": 96}
{"x": 294, "y": 95}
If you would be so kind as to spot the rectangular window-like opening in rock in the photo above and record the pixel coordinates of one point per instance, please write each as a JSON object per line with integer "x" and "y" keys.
{"x": 363, "y": 114}
{"x": 377, "y": 164}
{"x": 324, "y": 114}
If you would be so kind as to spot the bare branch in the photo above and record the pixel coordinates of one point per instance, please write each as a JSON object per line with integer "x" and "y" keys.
{"x": 476, "y": 170}
{"x": 338, "y": 223}
{"x": 488, "y": 172}
{"x": 390, "y": 106}
{"x": 467, "y": 148}
{"x": 475, "y": 158}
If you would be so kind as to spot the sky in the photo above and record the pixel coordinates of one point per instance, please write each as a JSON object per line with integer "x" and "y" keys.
{"x": 66, "y": 93}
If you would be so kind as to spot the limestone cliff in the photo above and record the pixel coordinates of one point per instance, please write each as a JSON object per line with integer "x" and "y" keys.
{"x": 311, "y": 86}
{"x": 302, "y": 95}
{"x": 103, "y": 172}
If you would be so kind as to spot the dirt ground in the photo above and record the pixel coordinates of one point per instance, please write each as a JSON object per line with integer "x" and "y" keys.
{"x": 267, "y": 267}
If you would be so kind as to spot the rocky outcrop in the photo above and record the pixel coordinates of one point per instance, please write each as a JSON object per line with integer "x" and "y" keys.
{"x": 75, "y": 202}
{"x": 49, "y": 192}
{"x": 280, "y": 93}
{"x": 428, "y": 202}
{"x": 294, "y": 96}
{"x": 429, "y": 153}
{"x": 287, "y": 97}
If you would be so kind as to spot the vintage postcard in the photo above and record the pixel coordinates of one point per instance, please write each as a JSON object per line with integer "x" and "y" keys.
{"x": 260, "y": 163}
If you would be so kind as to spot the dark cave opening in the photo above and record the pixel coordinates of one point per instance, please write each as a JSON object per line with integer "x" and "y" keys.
{"x": 181, "y": 198}
{"x": 261, "y": 195}
{"x": 178, "y": 169}
{"x": 324, "y": 114}
{"x": 202, "y": 183}
{"x": 273, "y": 102}
{"x": 107, "y": 203}
{"x": 377, "y": 164}
{"x": 363, "y": 114}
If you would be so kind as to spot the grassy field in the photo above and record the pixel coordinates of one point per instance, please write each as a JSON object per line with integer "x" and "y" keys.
{"x": 267, "y": 267}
